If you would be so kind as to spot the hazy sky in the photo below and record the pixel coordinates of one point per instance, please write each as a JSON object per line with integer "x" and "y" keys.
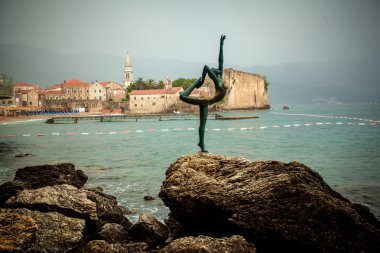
{"x": 263, "y": 32}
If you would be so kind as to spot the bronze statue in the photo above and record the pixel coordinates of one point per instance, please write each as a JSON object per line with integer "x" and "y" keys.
{"x": 216, "y": 76}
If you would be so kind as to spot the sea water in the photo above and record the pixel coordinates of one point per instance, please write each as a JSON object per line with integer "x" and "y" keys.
{"x": 128, "y": 159}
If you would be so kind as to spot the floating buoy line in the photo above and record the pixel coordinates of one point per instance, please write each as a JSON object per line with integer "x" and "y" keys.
{"x": 230, "y": 129}
{"x": 327, "y": 116}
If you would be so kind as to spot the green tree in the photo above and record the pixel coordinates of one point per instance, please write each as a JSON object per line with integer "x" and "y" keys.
{"x": 183, "y": 82}
{"x": 266, "y": 83}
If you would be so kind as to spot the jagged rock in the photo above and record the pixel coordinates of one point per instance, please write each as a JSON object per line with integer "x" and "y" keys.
{"x": 64, "y": 198}
{"x": 101, "y": 246}
{"x": 148, "y": 198}
{"x": 148, "y": 229}
{"x": 42, "y": 232}
{"x": 22, "y": 155}
{"x": 45, "y": 175}
{"x": 206, "y": 244}
{"x": 107, "y": 209}
{"x": 17, "y": 232}
{"x": 10, "y": 189}
{"x": 113, "y": 233}
{"x": 277, "y": 206}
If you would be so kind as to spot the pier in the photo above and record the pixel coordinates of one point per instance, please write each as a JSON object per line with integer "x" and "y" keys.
{"x": 136, "y": 117}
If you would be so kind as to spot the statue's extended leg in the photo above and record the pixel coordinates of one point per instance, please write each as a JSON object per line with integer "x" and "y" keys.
{"x": 203, "y": 111}
{"x": 185, "y": 95}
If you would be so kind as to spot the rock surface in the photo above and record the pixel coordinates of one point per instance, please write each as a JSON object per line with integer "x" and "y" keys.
{"x": 107, "y": 208}
{"x": 64, "y": 198}
{"x": 277, "y": 206}
{"x": 17, "y": 232}
{"x": 44, "y": 175}
{"x": 113, "y": 233}
{"x": 101, "y": 246}
{"x": 148, "y": 229}
{"x": 40, "y": 232}
{"x": 206, "y": 244}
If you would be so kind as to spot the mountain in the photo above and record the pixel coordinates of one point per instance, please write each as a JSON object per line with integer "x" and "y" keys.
{"x": 345, "y": 81}
{"x": 297, "y": 82}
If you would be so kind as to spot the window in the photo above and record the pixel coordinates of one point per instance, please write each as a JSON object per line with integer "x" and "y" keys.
{"x": 162, "y": 96}
{"x": 3, "y": 102}
{"x": 95, "y": 91}
{"x": 30, "y": 103}
{"x": 88, "y": 91}
{"x": 142, "y": 98}
{"x": 100, "y": 91}
{"x": 154, "y": 103}
{"x": 135, "y": 105}
{"x": 135, "y": 98}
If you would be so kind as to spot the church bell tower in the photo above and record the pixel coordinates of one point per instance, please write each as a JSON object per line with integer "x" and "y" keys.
{"x": 128, "y": 73}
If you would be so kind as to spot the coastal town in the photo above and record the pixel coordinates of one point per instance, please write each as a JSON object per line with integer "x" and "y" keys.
{"x": 245, "y": 91}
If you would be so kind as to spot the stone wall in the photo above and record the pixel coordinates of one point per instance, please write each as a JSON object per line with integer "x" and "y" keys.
{"x": 89, "y": 105}
{"x": 245, "y": 90}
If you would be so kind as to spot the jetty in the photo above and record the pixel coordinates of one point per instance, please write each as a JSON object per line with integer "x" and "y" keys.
{"x": 136, "y": 117}
{"x": 221, "y": 117}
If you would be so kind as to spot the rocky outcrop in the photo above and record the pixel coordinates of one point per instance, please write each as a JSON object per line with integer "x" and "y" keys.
{"x": 43, "y": 210}
{"x": 113, "y": 233}
{"x": 101, "y": 246}
{"x": 107, "y": 208}
{"x": 277, "y": 206}
{"x": 62, "y": 198}
{"x": 35, "y": 177}
{"x": 149, "y": 230}
{"x": 49, "y": 175}
{"x": 23, "y": 230}
{"x": 206, "y": 244}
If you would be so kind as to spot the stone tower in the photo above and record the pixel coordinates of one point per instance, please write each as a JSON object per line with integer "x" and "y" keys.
{"x": 128, "y": 73}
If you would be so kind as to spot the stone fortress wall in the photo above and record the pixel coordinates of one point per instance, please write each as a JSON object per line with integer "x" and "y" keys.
{"x": 245, "y": 90}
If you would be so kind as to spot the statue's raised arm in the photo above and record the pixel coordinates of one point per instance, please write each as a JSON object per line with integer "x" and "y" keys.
{"x": 221, "y": 59}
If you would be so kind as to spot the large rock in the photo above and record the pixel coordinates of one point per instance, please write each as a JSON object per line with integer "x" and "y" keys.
{"x": 17, "y": 232}
{"x": 22, "y": 230}
{"x": 206, "y": 244}
{"x": 276, "y": 206}
{"x": 44, "y": 175}
{"x": 113, "y": 233}
{"x": 40, "y": 176}
{"x": 148, "y": 229}
{"x": 107, "y": 208}
{"x": 64, "y": 198}
{"x": 101, "y": 246}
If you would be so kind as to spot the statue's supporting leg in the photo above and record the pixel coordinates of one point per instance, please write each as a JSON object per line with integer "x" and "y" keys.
{"x": 203, "y": 111}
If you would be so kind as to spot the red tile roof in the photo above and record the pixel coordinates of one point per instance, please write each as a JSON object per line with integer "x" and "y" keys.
{"x": 173, "y": 90}
{"x": 54, "y": 92}
{"x": 25, "y": 91}
{"x": 53, "y": 87}
{"x": 24, "y": 85}
{"x": 75, "y": 83}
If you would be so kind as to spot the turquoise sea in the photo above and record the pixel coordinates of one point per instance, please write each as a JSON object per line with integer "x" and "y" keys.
{"x": 129, "y": 159}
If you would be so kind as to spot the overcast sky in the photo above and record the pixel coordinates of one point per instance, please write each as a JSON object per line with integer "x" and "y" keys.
{"x": 263, "y": 32}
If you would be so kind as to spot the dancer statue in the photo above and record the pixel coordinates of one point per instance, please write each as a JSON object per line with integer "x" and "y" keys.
{"x": 216, "y": 76}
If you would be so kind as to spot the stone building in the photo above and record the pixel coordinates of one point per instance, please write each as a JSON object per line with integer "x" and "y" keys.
{"x": 75, "y": 89}
{"x": 26, "y": 94}
{"x": 154, "y": 101}
{"x": 114, "y": 91}
{"x": 97, "y": 92}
